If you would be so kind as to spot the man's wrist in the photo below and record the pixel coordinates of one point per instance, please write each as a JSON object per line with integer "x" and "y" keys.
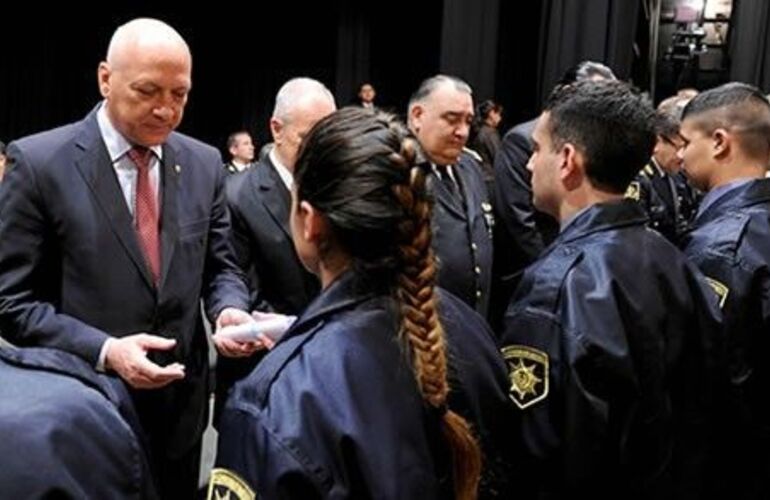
{"x": 101, "y": 363}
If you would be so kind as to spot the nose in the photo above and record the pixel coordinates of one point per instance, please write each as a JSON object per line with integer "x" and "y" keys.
{"x": 462, "y": 131}
{"x": 163, "y": 111}
{"x": 530, "y": 163}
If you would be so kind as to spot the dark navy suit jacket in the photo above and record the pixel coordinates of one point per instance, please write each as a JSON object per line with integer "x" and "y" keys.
{"x": 72, "y": 272}
{"x": 260, "y": 206}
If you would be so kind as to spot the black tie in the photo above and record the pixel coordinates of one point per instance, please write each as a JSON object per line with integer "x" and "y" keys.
{"x": 446, "y": 179}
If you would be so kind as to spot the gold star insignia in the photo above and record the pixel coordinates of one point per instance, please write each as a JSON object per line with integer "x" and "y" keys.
{"x": 523, "y": 379}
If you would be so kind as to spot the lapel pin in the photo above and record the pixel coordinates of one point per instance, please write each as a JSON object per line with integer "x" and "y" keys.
{"x": 177, "y": 168}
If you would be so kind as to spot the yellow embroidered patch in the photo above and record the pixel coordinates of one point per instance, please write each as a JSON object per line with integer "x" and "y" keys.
{"x": 227, "y": 485}
{"x": 528, "y": 374}
{"x": 720, "y": 289}
{"x": 633, "y": 191}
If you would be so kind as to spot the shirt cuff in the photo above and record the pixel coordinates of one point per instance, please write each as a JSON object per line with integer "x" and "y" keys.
{"x": 103, "y": 356}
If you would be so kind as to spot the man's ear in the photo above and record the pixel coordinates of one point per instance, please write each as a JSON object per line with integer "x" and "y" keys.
{"x": 103, "y": 74}
{"x": 721, "y": 142}
{"x": 415, "y": 117}
{"x": 276, "y": 130}
{"x": 571, "y": 170}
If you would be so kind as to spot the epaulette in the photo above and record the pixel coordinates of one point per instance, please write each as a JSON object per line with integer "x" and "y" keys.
{"x": 633, "y": 191}
{"x": 473, "y": 154}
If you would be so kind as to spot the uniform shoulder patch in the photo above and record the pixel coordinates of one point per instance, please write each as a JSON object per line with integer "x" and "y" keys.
{"x": 227, "y": 485}
{"x": 720, "y": 289}
{"x": 633, "y": 191}
{"x": 528, "y": 373}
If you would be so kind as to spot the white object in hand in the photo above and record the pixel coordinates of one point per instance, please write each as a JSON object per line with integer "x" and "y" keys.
{"x": 273, "y": 327}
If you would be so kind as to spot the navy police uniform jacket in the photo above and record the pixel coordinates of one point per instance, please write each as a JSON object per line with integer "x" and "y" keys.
{"x": 612, "y": 343}
{"x": 67, "y": 432}
{"x": 462, "y": 233}
{"x": 334, "y": 410}
{"x": 730, "y": 242}
{"x": 669, "y": 200}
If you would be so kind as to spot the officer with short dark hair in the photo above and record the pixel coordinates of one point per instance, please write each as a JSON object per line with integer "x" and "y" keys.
{"x": 67, "y": 431}
{"x": 726, "y": 154}
{"x": 612, "y": 338}
{"x": 660, "y": 187}
{"x": 523, "y": 231}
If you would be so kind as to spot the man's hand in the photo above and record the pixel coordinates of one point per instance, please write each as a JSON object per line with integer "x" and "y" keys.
{"x": 230, "y": 347}
{"x": 128, "y": 357}
{"x": 268, "y": 340}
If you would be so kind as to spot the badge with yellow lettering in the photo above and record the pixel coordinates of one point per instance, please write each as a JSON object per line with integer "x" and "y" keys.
{"x": 633, "y": 190}
{"x": 528, "y": 374}
{"x": 720, "y": 289}
{"x": 227, "y": 485}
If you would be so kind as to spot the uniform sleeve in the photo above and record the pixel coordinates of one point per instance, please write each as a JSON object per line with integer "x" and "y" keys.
{"x": 28, "y": 268}
{"x": 740, "y": 288}
{"x": 269, "y": 468}
{"x": 565, "y": 368}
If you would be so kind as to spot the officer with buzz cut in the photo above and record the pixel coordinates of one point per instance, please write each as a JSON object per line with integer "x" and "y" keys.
{"x": 67, "y": 431}
{"x": 612, "y": 338}
{"x": 726, "y": 154}
{"x": 440, "y": 114}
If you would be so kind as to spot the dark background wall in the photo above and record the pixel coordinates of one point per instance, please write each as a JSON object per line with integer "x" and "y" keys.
{"x": 509, "y": 51}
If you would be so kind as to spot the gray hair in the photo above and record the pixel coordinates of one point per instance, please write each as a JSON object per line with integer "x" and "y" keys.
{"x": 429, "y": 85}
{"x": 298, "y": 91}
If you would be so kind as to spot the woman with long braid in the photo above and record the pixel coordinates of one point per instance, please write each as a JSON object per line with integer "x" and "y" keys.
{"x": 385, "y": 387}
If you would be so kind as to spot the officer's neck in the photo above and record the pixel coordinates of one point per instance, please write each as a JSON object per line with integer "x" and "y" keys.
{"x": 333, "y": 263}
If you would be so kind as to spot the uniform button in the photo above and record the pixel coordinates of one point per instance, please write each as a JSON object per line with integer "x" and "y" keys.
{"x": 474, "y": 247}
{"x": 477, "y": 269}
{"x": 478, "y": 294}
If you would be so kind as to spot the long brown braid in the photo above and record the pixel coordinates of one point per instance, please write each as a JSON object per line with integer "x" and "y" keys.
{"x": 421, "y": 329}
{"x": 356, "y": 167}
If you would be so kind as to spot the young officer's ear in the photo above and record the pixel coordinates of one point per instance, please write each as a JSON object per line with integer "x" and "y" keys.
{"x": 721, "y": 142}
{"x": 571, "y": 171}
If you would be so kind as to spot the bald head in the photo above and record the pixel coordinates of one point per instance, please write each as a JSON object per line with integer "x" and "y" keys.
{"x": 298, "y": 94}
{"x": 299, "y": 104}
{"x": 144, "y": 36}
{"x": 145, "y": 80}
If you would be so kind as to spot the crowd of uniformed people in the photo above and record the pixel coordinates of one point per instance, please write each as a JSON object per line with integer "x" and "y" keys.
{"x": 585, "y": 315}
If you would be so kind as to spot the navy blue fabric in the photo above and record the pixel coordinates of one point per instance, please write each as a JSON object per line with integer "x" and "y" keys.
{"x": 72, "y": 272}
{"x": 633, "y": 338}
{"x": 462, "y": 234}
{"x": 730, "y": 242}
{"x": 67, "y": 432}
{"x": 334, "y": 410}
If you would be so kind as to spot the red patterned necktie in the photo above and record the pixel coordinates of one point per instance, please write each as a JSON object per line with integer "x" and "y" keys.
{"x": 146, "y": 207}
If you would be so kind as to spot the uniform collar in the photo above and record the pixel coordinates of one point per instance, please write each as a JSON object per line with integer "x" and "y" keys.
{"x": 600, "y": 217}
{"x": 737, "y": 194}
{"x": 348, "y": 290}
